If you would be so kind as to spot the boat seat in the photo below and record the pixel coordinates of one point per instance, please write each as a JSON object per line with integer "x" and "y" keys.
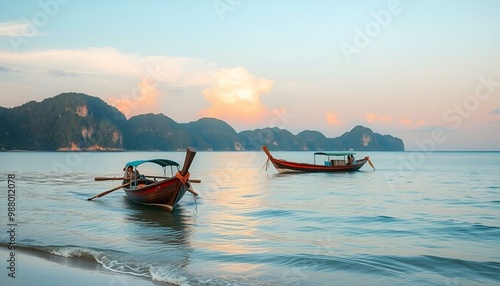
{"x": 338, "y": 162}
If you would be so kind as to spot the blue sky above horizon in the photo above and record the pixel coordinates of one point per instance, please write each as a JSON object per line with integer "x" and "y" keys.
{"x": 418, "y": 70}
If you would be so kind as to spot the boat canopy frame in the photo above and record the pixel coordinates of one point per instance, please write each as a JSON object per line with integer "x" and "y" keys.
{"x": 333, "y": 154}
{"x": 164, "y": 163}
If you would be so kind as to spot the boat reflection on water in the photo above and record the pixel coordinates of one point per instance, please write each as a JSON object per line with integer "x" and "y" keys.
{"x": 166, "y": 234}
{"x": 148, "y": 216}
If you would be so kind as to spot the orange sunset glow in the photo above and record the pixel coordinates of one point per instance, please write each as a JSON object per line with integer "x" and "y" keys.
{"x": 236, "y": 96}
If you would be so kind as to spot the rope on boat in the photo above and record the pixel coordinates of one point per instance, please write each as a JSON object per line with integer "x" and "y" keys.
{"x": 266, "y": 164}
{"x": 182, "y": 178}
{"x": 194, "y": 197}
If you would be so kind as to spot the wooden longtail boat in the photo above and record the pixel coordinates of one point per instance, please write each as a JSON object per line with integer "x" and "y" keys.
{"x": 165, "y": 193}
{"x": 330, "y": 165}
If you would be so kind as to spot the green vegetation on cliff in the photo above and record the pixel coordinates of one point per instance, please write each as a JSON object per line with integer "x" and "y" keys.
{"x": 76, "y": 121}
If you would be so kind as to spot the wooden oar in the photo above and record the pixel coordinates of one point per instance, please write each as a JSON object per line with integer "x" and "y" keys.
{"x": 108, "y": 179}
{"x": 156, "y": 177}
{"x": 192, "y": 191}
{"x": 109, "y": 191}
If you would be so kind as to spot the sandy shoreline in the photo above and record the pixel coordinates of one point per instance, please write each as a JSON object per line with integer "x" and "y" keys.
{"x": 52, "y": 270}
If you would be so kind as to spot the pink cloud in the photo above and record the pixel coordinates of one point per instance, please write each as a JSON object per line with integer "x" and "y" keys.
{"x": 371, "y": 117}
{"x": 406, "y": 121}
{"x": 142, "y": 99}
{"x": 332, "y": 118}
{"x": 386, "y": 118}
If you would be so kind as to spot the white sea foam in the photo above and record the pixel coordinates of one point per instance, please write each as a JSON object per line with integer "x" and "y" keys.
{"x": 108, "y": 262}
{"x": 169, "y": 275}
{"x": 128, "y": 267}
{"x": 74, "y": 251}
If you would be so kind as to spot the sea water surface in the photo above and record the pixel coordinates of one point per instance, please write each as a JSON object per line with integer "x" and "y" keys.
{"x": 419, "y": 219}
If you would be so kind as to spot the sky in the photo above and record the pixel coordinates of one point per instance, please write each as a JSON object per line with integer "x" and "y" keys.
{"x": 425, "y": 71}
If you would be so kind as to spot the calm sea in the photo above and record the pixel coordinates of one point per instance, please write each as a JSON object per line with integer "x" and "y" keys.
{"x": 419, "y": 219}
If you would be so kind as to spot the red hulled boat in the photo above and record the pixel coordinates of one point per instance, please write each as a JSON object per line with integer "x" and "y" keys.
{"x": 330, "y": 165}
{"x": 165, "y": 193}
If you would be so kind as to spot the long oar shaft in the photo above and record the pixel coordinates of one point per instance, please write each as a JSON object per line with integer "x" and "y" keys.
{"x": 192, "y": 191}
{"x": 108, "y": 179}
{"x": 108, "y": 191}
{"x": 156, "y": 177}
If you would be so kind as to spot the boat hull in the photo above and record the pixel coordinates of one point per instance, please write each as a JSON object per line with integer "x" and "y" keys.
{"x": 284, "y": 166}
{"x": 166, "y": 193}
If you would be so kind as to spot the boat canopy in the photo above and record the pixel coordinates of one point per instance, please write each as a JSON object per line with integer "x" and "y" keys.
{"x": 161, "y": 162}
{"x": 335, "y": 153}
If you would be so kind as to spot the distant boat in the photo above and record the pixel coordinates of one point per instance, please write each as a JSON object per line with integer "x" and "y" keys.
{"x": 165, "y": 193}
{"x": 335, "y": 162}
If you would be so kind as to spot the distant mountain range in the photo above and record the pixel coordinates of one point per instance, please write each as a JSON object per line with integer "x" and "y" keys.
{"x": 76, "y": 121}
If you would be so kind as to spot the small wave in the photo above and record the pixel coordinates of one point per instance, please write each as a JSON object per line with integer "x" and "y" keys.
{"x": 125, "y": 267}
{"x": 168, "y": 275}
{"x": 374, "y": 219}
{"x": 119, "y": 262}
{"x": 73, "y": 251}
{"x": 265, "y": 213}
{"x": 464, "y": 231}
{"x": 106, "y": 259}
{"x": 396, "y": 266}
{"x": 456, "y": 267}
